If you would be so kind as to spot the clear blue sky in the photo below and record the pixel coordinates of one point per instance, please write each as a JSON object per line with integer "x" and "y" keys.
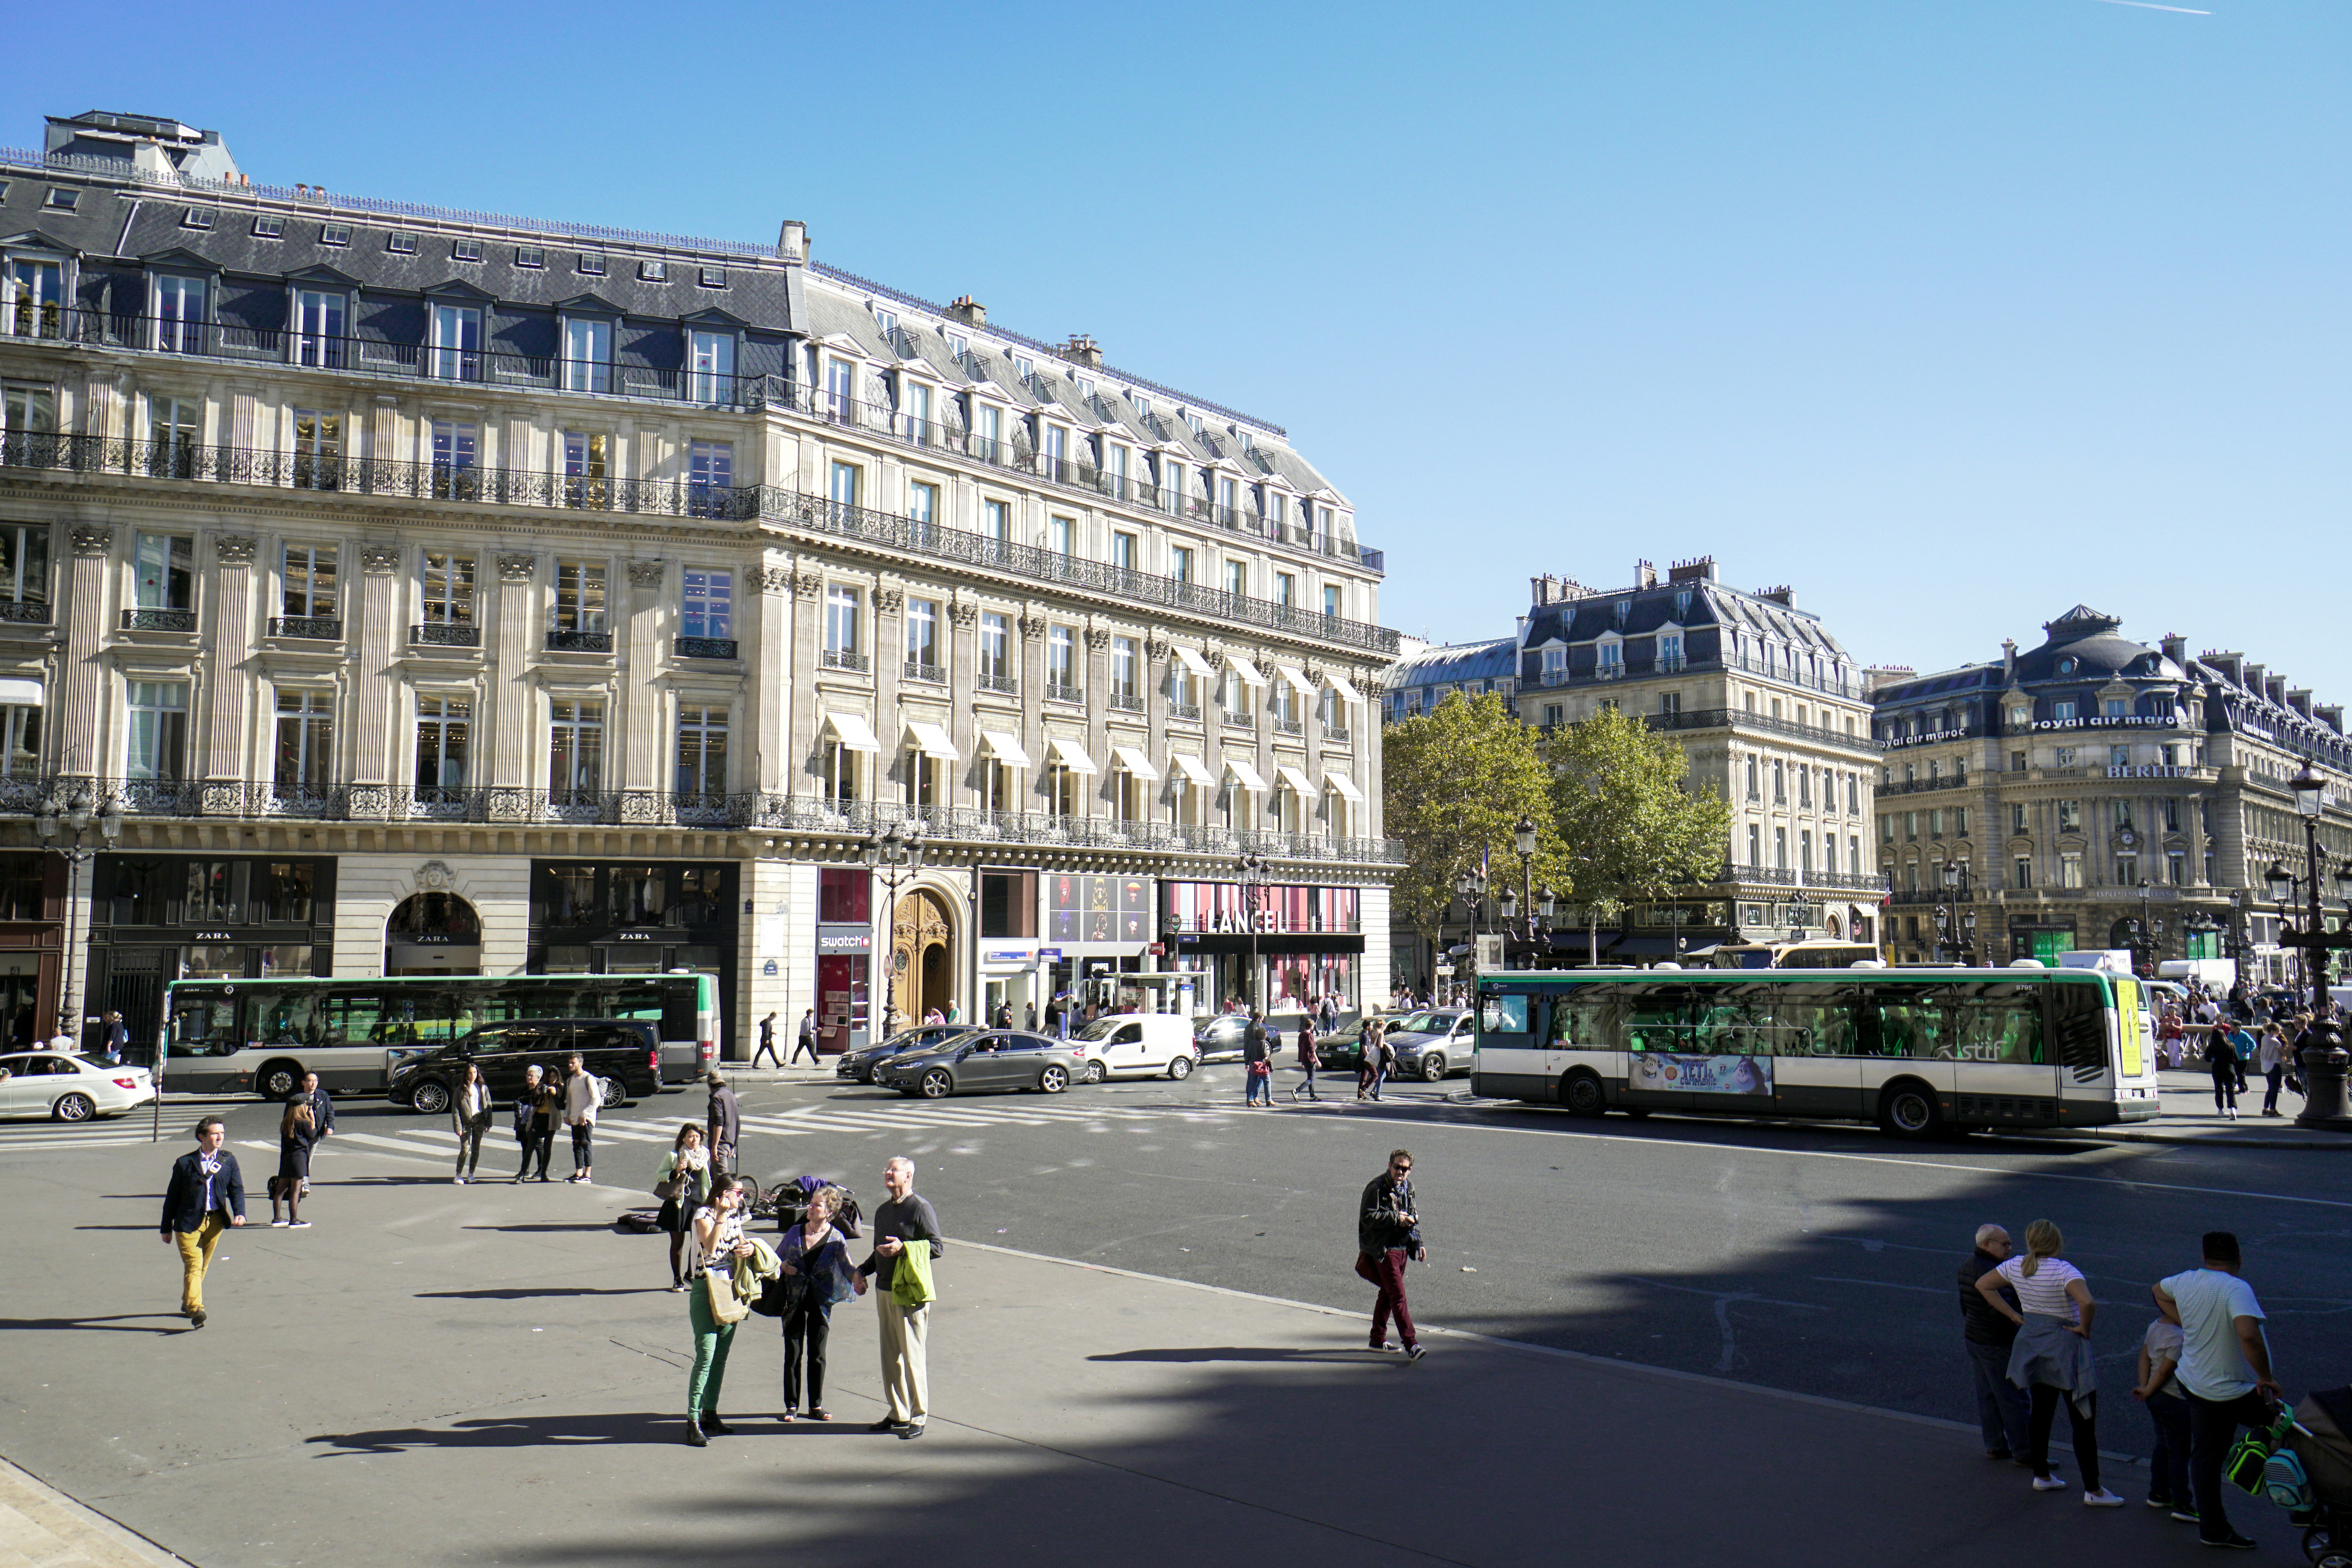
{"x": 1949, "y": 312}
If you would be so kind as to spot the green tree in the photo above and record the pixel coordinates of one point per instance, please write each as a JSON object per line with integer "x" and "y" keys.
{"x": 1634, "y": 832}
{"x": 1455, "y": 781}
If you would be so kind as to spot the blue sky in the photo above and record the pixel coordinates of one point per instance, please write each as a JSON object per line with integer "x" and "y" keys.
{"x": 1950, "y": 313}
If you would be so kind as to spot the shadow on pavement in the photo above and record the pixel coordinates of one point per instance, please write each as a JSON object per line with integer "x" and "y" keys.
{"x": 531, "y": 1432}
{"x": 547, "y": 1225}
{"x": 121, "y": 1323}
{"x": 1255, "y": 1352}
{"x": 530, "y": 1293}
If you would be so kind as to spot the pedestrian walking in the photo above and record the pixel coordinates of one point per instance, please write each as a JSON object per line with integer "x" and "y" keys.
{"x": 719, "y": 1246}
{"x": 2051, "y": 1357}
{"x": 1033, "y": 1016}
{"x": 322, "y": 1119}
{"x": 723, "y": 1124}
{"x": 818, "y": 1277}
{"x": 526, "y": 1123}
{"x": 2225, "y": 1369}
{"x": 955, "y": 1014}
{"x": 2222, "y": 1061}
{"x": 2270, "y": 1060}
{"x": 2168, "y": 1409}
{"x": 62, "y": 1040}
{"x": 1308, "y": 1060}
{"x": 767, "y": 1042}
{"x": 905, "y": 1219}
{"x": 933, "y": 1017}
{"x": 1388, "y": 1236}
{"x": 807, "y": 1040}
{"x": 296, "y": 1136}
{"x": 2242, "y": 1051}
{"x": 1005, "y": 1015}
{"x": 1384, "y": 1063}
{"x": 1368, "y": 1055}
{"x": 2002, "y": 1408}
{"x": 205, "y": 1198}
{"x": 469, "y": 1118}
{"x": 2168, "y": 1037}
{"x": 683, "y": 1186}
{"x": 1257, "y": 1072}
{"x": 118, "y": 1038}
{"x": 583, "y": 1094}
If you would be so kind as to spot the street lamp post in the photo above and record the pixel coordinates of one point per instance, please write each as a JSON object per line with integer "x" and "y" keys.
{"x": 76, "y": 817}
{"x": 1251, "y": 868}
{"x": 1523, "y": 839}
{"x": 2286, "y": 896}
{"x": 1471, "y": 886}
{"x": 2324, "y": 1058}
{"x": 1944, "y": 910}
{"x": 896, "y": 854}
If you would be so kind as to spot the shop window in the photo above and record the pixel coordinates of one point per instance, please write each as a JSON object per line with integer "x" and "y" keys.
{"x": 20, "y": 887}
{"x": 1008, "y": 904}
{"x": 568, "y": 898}
{"x": 845, "y": 897}
{"x": 639, "y": 894}
{"x": 702, "y": 898}
{"x": 285, "y": 893}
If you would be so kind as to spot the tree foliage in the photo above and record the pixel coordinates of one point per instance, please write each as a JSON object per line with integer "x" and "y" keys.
{"x": 1455, "y": 781}
{"x": 1633, "y": 832}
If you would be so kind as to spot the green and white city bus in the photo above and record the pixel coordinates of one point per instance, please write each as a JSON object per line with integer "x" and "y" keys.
{"x": 1917, "y": 1051}
{"x": 229, "y": 1036}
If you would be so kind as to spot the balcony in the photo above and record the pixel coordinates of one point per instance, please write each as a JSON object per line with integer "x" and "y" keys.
{"x": 1240, "y": 722}
{"x": 1126, "y": 703}
{"x": 23, "y": 612}
{"x": 1721, "y": 718}
{"x": 1005, "y": 684}
{"x": 1185, "y": 712}
{"x": 934, "y": 674}
{"x": 1290, "y": 727}
{"x": 842, "y": 659}
{"x": 1062, "y": 691}
{"x": 562, "y": 641}
{"x": 444, "y": 633}
{"x": 309, "y": 628}
{"x": 1336, "y": 734}
{"x": 702, "y": 647}
{"x": 1920, "y": 787}
{"x": 148, "y": 620}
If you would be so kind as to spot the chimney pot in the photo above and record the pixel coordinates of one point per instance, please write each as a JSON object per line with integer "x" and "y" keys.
{"x": 969, "y": 311}
{"x": 792, "y": 240}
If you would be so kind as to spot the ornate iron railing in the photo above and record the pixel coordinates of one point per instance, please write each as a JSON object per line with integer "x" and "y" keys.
{"x": 25, "y": 612}
{"x": 444, "y": 633}
{"x": 842, "y": 659}
{"x": 703, "y": 648}
{"x": 562, "y": 641}
{"x": 918, "y": 670}
{"x": 159, "y": 620}
{"x": 315, "y": 628}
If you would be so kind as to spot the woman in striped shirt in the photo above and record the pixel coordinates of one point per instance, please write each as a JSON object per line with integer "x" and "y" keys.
{"x": 2051, "y": 1357}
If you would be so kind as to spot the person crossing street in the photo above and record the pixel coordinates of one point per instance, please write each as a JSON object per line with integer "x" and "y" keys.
{"x": 1388, "y": 1236}
{"x": 206, "y": 1197}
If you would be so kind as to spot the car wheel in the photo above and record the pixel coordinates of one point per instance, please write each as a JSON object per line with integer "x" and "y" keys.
{"x": 1433, "y": 1068}
{"x": 1582, "y": 1095}
{"x": 1181, "y": 1069}
{"x": 1053, "y": 1080}
{"x": 615, "y": 1092}
{"x": 936, "y": 1084}
{"x": 430, "y": 1097}
{"x": 73, "y": 1108}
{"x": 1909, "y": 1110}
{"x": 278, "y": 1080}
{"x": 1093, "y": 1072}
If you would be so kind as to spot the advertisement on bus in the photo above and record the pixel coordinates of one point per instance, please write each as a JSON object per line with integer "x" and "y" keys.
{"x": 1700, "y": 1075}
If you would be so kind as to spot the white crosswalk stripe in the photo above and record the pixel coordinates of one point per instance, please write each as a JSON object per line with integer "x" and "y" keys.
{"x": 928, "y": 1116}
{"x": 137, "y": 1126}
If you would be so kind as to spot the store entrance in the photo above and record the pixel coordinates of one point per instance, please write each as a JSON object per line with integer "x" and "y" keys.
{"x": 432, "y": 933}
{"x": 923, "y": 956}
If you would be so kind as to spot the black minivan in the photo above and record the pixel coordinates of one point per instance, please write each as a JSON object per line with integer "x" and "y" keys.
{"x": 624, "y": 1052}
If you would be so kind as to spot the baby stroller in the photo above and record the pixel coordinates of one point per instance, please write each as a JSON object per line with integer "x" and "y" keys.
{"x": 787, "y": 1204}
{"x": 2319, "y": 1497}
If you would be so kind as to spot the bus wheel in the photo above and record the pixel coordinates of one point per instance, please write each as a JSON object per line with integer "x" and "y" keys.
{"x": 1581, "y": 1093}
{"x": 278, "y": 1080}
{"x": 1909, "y": 1110}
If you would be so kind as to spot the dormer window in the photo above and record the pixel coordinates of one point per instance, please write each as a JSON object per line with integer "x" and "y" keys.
{"x": 886, "y": 320}
{"x": 62, "y": 200}
{"x": 266, "y": 228}
{"x": 714, "y": 278}
{"x": 1142, "y": 404}
{"x": 590, "y": 264}
{"x": 529, "y": 256}
{"x": 959, "y": 345}
{"x": 1625, "y": 611}
{"x": 400, "y": 244}
{"x": 2065, "y": 667}
{"x": 196, "y": 218}
{"x": 465, "y": 250}
{"x": 653, "y": 271}
{"x": 710, "y": 364}
{"x": 587, "y": 355}
{"x": 1682, "y": 605}
{"x": 334, "y": 233}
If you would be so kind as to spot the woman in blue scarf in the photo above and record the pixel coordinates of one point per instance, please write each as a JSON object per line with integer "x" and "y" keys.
{"x": 818, "y": 1277}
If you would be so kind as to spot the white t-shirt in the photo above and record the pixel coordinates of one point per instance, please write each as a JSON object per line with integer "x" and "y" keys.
{"x": 720, "y": 1258}
{"x": 2212, "y": 1363}
{"x": 2162, "y": 1342}
{"x": 2046, "y": 1292}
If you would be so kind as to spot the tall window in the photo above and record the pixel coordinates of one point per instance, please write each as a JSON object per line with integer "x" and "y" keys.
{"x": 1114, "y": 469}
{"x": 918, "y": 414}
{"x": 2069, "y": 870}
{"x": 28, "y": 409}
{"x": 455, "y": 449}
{"x": 576, "y": 748}
{"x": 1122, "y": 671}
{"x": 710, "y": 367}
{"x": 841, "y": 607}
{"x": 840, "y": 384}
{"x": 587, "y": 466}
{"x": 1057, "y": 444}
{"x": 1285, "y": 589}
{"x": 456, "y": 352}
{"x": 20, "y": 740}
{"x": 174, "y": 427}
{"x": 1061, "y": 662}
{"x": 1059, "y": 534}
{"x": 701, "y": 749}
{"x": 1237, "y": 578}
{"x": 922, "y": 503}
{"x": 996, "y": 518}
{"x": 587, "y": 356}
{"x": 309, "y": 581}
{"x": 179, "y": 315}
{"x": 579, "y": 596}
{"x": 24, "y": 571}
{"x": 923, "y": 639}
{"x": 306, "y": 736}
{"x": 319, "y": 329}
{"x": 1781, "y": 848}
{"x": 840, "y": 771}
{"x": 1180, "y": 563}
{"x": 444, "y": 740}
{"x": 317, "y": 450}
{"x": 1122, "y": 551}
{"x": 995, "y": 648}
{"x": 448, "y": 598}
{"x": 165, "y": 572}
{"x": 709, "y": 610}
{"x": 988, "y": 423}
{"x": 709, "y": 477}
{"x": 845, "y": 484}
{"x": 1331, "y": 600}
{"x": 1171, "y": 485}
{"x": 159, "y": 730}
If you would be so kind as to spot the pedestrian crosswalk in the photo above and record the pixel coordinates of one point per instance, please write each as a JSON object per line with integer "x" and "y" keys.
{"x": 179, "y": 1122}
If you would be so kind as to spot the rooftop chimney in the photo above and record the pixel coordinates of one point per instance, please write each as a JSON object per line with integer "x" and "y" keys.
{"x": 2231, "y": 665}
{"x": 2008, "y": 660}
{"x": 2299, "y": 699}
{"x": 1081, "y": 350}
{"x": 2331, "y": 715}
{"x": 1645, "y": 575}
{"x": 2175, "y": 648}
{"x": 792, "y": 240}
{"x": 1543, "y": 590}
{"x": 969, "y": 311}
{"x": 1783, "y": 595}
{"x": 1701, "y": 569}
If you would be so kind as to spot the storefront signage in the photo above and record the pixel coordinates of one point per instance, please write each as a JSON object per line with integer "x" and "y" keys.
{"x": 767, "y": 970}
{"x": 1019, "y": 955}
{"x": 632, "y": 936}
{"x": 212, "y": 936}
{"x": 1232, "y": 909}
{"x": 845, "y": 939}
{"x": 1050, "y": 952}
{"x": 2110, "y": 721}
{"x": 1094, "y": 909}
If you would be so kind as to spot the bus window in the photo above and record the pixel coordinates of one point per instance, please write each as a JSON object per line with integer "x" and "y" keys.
{"x": 2001, "y": 1024}
{"x": 205, "y": 1026}
{"x": 1810, "y": 1021}
{"x": 1580, "y": 1021}
{"x": 1733, "y": 1021}
{"x": 1502, "y": 1015}
{"x": 414, "y": 1015}
{"x": 292, "y": 1018}
{"x": 1912, "y": 1023}
{"x": 2079, "y": 1019}
{"x": 1658, "y": 1018}
{"x": 354, "y": 1018}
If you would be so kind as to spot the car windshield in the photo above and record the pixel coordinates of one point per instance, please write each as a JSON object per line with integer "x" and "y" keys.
{"x": 1426, "y": 1022}
{"x": 1103, "y": 1027}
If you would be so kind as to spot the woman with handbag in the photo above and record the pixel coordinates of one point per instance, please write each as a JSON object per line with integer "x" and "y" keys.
{"x": 297, "y": 1133}
{"x": 818, "y": 1277}
{"x": 711, "y": 1306}
{"x": 684, "y": 1176}
{"x": 469, "y": 1118}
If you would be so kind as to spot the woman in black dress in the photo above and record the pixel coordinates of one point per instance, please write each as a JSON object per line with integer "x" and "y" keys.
{"x": 298, "y": 1132}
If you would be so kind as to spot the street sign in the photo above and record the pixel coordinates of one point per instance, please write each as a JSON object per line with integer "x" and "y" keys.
{"x": 1157, "y": 950}
{"x": 1490, "y": 955}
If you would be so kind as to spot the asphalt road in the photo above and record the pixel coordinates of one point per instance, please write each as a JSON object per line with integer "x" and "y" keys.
{"x": 1816, "y": 1260}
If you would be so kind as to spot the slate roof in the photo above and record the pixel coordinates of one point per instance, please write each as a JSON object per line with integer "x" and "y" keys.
{"x": 1455, "y": 662}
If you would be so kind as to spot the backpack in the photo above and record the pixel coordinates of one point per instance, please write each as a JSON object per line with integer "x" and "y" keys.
{"x": 639, "y": 1222}
{"x": 2283, "y": 1480}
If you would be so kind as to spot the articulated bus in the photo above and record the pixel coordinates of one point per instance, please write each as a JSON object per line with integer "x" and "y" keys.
{"x": 229, "y": 1036}
{"x": 1917, "y": 1051}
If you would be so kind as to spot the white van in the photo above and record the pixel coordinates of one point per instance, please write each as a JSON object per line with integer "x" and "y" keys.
{"x": 1138, "y": 1045}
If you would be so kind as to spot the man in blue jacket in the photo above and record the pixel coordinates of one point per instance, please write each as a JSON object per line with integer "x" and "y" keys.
{"x": 206, "y": 1197}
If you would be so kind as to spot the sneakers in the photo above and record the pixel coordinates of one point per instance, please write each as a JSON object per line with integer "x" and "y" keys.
{"x": 298, "y": 1225}
{"x": 2185, "y": 1515}
{"x": 2102, "y": 1498}
{"x": 277, "y": 1224}
{"x": 2233, "y": 1540}
{"x": 2159, "y": 1502}
{"x": 910, "y": 1431}
{"x": 2053, "y": 1482}
{"x": 1413, "y": 1353}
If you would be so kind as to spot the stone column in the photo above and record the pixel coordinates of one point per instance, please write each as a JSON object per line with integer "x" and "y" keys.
{"x": 644, "y": 758}
{"x": 771, "y": 683}
{"x": 1094, "y": 675}
{"x": 807, "y": 630}
{"x": 378, "y": 644}
{"x": 88, "y": 606}
{"x": 1030, "y": 665}
{"x": 959, "y": 656}
{"x": 229, "y": 690}
{"x": 515, "y": 761}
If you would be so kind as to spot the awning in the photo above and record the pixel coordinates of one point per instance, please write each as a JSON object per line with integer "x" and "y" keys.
{"x": 1235, "y": 664}
{"x": 17, "y": 691}
{"x": 1296, "y": 681}
{"x": 1338, "y": 683}
{"x": 1194, "y": 662}
{"x": 1135, "y": 763}
{"x": 1294, "y": 781}
{"x": 852, "y": 731}
{"x": 1193, "y": 769}
{"x": 1070, "y": 754}
{"x": 1246, "y": 775}
{"x": 1344, "y": 787}
{"x": 931, "y": 741}
{"x": 1004, "y": 748}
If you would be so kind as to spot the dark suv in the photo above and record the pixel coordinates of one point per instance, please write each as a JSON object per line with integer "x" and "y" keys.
{"x": 624, "y": 1053}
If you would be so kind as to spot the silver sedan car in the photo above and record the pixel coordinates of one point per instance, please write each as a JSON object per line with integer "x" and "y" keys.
{"x": 1434, "y": 1043}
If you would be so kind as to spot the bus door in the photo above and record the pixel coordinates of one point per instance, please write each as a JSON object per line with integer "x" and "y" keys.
{"x": 1511, "y": 1059}
{"x": 1730, "y": 1068}
{"x": 1816, "y": 1026}
{"x": 2008, "y": 1076}
{"x": 2083, "y": 1029}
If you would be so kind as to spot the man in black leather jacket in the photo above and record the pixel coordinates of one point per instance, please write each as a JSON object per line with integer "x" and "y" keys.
{"x": 1388, "y": 1233}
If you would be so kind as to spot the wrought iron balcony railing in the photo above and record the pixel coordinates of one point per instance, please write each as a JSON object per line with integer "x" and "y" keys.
{"x": 25, "y": 612}
{"x": 153, "y": 620}
{"x": 444, "y": 633}
{"x": 1126, "y": 703}
{"x": 703, "y": 648}
{"x": 934, "y": 674}
{"x": 1003, "y": 683}
{"x": 1185, "y": 712}
{"x": 842, "y": 659}
{"x": 560, "y": 640}
{"x": 1061, "y": 691}
{"x": 312, "y": 628}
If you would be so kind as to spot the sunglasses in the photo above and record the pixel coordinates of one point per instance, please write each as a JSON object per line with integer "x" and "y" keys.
{"x": 1402, "y": 1170}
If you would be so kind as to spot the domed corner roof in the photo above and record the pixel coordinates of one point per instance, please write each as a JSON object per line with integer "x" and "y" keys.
{"x": 2078, "y": 622}
{"x": 2101, "y": 653}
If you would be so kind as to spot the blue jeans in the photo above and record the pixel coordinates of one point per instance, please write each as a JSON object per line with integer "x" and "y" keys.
{"x": 1260, "y": 1085}
{"x": 2001, "y": 1405}
{"x": 2168, "y": 1466}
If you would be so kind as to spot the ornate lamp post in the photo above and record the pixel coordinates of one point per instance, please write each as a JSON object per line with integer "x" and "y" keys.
{"x": 2324, "y": 1058}
{"x": 896, "y": 854}
{"x": 1471, "y": 886}
{"x": 76, "y": 816}
{"x": 1251, "y": 868}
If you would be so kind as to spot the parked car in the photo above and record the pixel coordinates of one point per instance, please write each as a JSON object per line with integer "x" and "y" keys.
{"x": 69, "y": 1088}
{"x": 986, "y": 1059}
{"x": 1344, "y": 1046}
{"x": 1219, "y": 1038}
{"x": 624, "y": 1052}
{"x": 1433, "y": 1042}
{"x": 1138, "y": 1045}
{"x": 858, "y": 1066}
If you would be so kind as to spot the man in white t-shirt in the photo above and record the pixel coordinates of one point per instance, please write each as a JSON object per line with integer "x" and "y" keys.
{"x": 2225, "y": 1368}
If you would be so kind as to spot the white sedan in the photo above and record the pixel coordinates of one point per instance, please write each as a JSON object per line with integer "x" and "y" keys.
{"x": 69, "y": 1088}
